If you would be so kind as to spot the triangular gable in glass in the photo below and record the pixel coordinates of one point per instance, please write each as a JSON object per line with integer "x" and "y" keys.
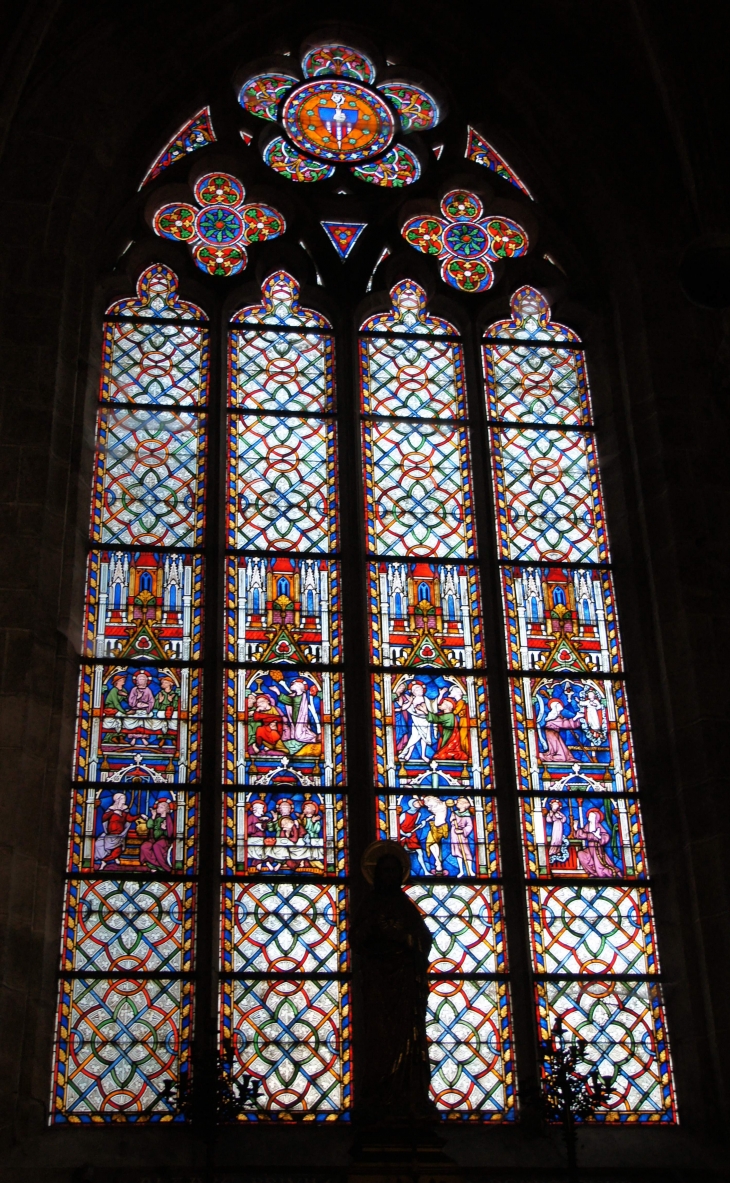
{"x": 481, "y": 152}
{"x": 194, "y": 134}
{"x": 343, "y": 235}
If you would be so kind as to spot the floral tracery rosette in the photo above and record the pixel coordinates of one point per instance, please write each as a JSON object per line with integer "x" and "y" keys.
{"x": 339, "y": 112}
{"x": 466, "y": 242}
{"x": 220, "y": 228}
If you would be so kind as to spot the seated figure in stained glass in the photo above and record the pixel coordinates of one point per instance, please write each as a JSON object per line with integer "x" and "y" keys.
{"x": 133, "y": 829}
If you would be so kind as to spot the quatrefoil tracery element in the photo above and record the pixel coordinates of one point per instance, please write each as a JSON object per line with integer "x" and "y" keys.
{"x": 220, "y": 228}
{"x": 466, "y": 242}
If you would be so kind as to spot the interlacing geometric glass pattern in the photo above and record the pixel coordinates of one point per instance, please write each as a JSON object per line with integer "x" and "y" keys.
{"x": 285, "y": 1009}
{"x": 431, "y": 730}
{"x": 126, "y": 994}
{"x": 589, "y": 900}
{"x": 128, "y": 954}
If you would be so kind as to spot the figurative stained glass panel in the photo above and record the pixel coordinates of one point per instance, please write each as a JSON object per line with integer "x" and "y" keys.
{"x": 284, "y": 928}
{"x": 128, "y": 926}
{"x": 138, "y": 722}
{"x": 587, "y": 836}
{"x": 293, "y": 1037}
{"x": 418, "y": 499}
{"x": 148, "y": 487}
{"x": 431, "y": 731}
{"x": 154, "y": 364}
{"x": 143, "y": 605}
{"x": 283, "y": 726}
{"x": 285, "y": 609}
{"x": 420, "y": 377}
{"x": 623, "y": 1026}
{"x": 584, "y": 929}
{"x": 454, "y": 836}
{"x": 532, "y": 383}
{"x": 141, "y": 825}
{"x": 466, "y": 924}
{"x": 286, "y": 830}
{"x": 560, "y": 618}
{"x": 122, "y": 1048}
{"x": 572, "y": 735}
{"x": 470, "y": 1048}
{"x": 282, "y": 484}
{"x": 425, "y": 614}
{"x": 281, "y": 371}
{"x": 548, "y": 496}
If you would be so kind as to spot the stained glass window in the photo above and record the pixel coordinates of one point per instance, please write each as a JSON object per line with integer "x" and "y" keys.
{"x": 434, "y": 791}
{"x": 266, "y": 654}
{"x": 594, "y": 955}
{"x": 126, "y": 993}
{"x": 285, "y": 1009}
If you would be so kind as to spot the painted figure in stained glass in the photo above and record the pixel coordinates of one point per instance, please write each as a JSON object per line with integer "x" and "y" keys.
{"x": 290, "y": 831}
{"x": 571, "y": 721}
{"x": 134, "y": 828}
{"x": 587, "y": 835}
{"x": 431, "y": 730}
{"x": 573, "y": 724}
{"x": 138, "y": 720}
{"x": 141, "y": 707}
{"x": 283, "y": 609}
{"x": 439, "y": 834}
{"x": 284, "y": 715}
{"x": 289, "y": 727}
{"x": 431, "y": 720}
{"x": 443, "y": 836}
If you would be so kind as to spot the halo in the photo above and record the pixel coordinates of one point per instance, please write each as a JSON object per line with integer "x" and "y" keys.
{"x": 378, "y": 850}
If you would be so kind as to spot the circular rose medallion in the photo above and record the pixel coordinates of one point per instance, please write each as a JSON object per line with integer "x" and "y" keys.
{"x": 335, "y": 119}
{"x": 466, "y": 239}
{"x": 218, "y": 225}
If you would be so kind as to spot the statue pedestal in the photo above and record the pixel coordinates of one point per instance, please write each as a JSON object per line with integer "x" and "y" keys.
{"x": 401, "y": 1153}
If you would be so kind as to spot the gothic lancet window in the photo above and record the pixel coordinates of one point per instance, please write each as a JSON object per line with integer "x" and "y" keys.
{"x": 592, "y": 937}
{"x": 213, "y": 813}
{"x": 284, "y": 992}
{"x": 126, "y": 994}
{"x": 433, "y": 776}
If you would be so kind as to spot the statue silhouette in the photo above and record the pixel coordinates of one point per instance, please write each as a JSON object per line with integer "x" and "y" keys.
{"x": 391, "y": 944}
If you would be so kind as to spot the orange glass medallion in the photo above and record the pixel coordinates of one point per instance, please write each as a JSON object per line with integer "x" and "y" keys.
{"x": 335, "y": 119}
